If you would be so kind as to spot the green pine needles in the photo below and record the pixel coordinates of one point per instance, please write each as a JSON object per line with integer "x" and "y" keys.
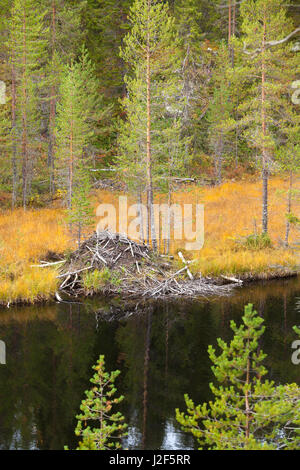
{"x": 248, "y": 412}
{"x": 96, "y": 408}
{"x": 77, "y": 111}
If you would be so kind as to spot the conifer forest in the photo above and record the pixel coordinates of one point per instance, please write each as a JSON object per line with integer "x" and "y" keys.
{"x": 149, "y": 227}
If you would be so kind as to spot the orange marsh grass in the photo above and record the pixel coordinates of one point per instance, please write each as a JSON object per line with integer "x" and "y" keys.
{"x": 231, "y": 211}
{"x": 25, "y": 238}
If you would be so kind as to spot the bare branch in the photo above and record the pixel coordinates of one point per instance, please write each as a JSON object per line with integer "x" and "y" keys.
{"x": 271, "y": 43}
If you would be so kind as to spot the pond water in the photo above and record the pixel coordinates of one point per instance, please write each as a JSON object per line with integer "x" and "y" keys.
{"x": 160, "y": 349}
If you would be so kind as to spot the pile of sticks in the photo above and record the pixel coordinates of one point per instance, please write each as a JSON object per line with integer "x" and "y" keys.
{"x": 170, "y": 287}
{"x": 105, "y": 249}
{"x": 111, "y": 250}
{"x": 140, "y": 272}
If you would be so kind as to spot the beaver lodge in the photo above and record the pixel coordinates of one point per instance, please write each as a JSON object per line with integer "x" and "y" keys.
{"x": 112, "y": 264}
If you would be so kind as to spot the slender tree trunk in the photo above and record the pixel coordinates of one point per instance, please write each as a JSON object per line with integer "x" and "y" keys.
{"x": 52, "y": 103}
{"x": 233, "y": 17}
{"x": 289, "y": 210}
{"x": 170, "y": 218}
{"x": 14, "y": 137}
{"x": 229, "y": 20}
{"x": 79, "y": 234}
{"x": 247, "y": 426}
{"x": 151, "y": 224}
{"x": 24, "y": 116}
{"x": 265, "y": 163}
{"x": 233, "y": 32}
{"x": 219, "y": 159}
{"x": 71, "y": 162}
{"x": 141, "y": 215}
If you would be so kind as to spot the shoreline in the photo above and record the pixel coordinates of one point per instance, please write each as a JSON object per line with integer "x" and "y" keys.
{"x": 246, "y": 280}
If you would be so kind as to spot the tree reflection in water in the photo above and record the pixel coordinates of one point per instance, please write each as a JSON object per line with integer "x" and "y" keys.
{"x": 160, "y": 348}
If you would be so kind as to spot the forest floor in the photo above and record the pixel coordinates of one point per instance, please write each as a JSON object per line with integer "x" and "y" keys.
{"x": 232, "y": 213}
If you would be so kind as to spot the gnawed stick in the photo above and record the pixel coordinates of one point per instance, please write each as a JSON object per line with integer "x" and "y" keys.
{"x": 74, "y": 272}
{"x": 186, "y": 263}
{"x": 45, "y": 264}
{"x": 232, "y": 279}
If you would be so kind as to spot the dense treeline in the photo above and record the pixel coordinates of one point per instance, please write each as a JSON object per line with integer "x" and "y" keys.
{"x": 159, "y": 89}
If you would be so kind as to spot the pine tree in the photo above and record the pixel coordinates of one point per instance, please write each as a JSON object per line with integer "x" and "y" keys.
{"x": 77, "y": 112}
{"x": 153, "y": 97}
{"x": 247, "y": 413}
{"x": 81, "y": 214}
{"x": 96, "y": 407}
{"x": 266, "y": 71}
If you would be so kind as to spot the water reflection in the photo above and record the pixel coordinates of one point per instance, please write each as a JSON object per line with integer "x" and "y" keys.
{"x": 161, "y": 350}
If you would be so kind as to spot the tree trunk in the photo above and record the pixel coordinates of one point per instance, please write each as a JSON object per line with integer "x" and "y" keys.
{"x": 229, "y": 21}
{"x": 170, "y": 218}
{"x": 52, "y": 104}
{"x": 219, "y": 159}
{"x": 14, "y": 138}
{"x": 289, "y": 210}
{"x": 151, "y": 223}
{"x": 265, "y": 178}
{"x": 265, "y": 164}
{"x": 71, "y": 164}
{"x": 24, "y": 118}
{"x": 247, "y": 426}
{"x": 141, "y": 215}
{"x": 233, "y": 31}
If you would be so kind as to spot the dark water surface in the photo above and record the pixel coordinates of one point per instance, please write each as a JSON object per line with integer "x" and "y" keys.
{"x": 161, "y": 351}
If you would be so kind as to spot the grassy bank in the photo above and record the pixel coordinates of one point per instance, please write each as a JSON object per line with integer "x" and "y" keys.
{"x": 25, "y": 238}
{"x": 232, "y": 212}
